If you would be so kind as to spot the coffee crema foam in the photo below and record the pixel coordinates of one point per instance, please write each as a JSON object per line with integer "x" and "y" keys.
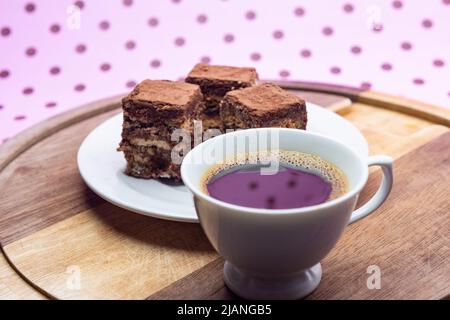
{"x": 294, "y": 159}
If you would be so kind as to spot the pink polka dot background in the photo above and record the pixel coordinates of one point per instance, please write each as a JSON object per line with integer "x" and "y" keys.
{"x": 47, "y": 66}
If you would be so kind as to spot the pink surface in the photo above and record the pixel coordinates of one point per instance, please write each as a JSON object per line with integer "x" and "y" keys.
{"x": 55, "y": 57}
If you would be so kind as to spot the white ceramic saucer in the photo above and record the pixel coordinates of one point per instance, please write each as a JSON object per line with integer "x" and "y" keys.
{"x": 101, "y": 167}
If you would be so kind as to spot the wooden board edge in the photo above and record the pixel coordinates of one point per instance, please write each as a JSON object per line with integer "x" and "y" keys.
{"x": 422, "y": 110}
{"x": 341, "y": 108}
{"x": 24, "y": 278}
{"x": 418, "y": 109}
{"x": 24, "y": 140}
{"x": 350, "y": 92}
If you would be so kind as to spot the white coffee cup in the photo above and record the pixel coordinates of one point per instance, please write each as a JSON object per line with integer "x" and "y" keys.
{"x": 271, "y": 253}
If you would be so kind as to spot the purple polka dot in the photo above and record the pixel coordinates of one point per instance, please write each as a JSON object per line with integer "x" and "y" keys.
{"x": 438, "y": 63}
{"x": 366, "y": 85}
{"x": 127, "y": 3}
{"x": 130, "y": 84}
{"x": 105, "y": 67}
{"x": 130, "y": 44}
{"x": 299, "y": 11}
{"x": 327, "y": 31}
{"x": 179, "y": 42}
{"x": 386, "y": 66}
{"x": 335, "y": 70}
{"x": 355, "y": 49}
{"x": 250, "y": 15}
{"x": 153, "y": 22}
{"x": 55, "y": 70}
{"x": 305, "y": 53}
{"x": 205, "y": 59}
{"x": 79, "y": 4}
{"x": 55, "y": 28}
{"x": 1, "y": 107}
{"x": 79, "y": 87}
{"x": 4, "y": 74}
{"x": 427, "y": 23}
{"x": 377, "y": 27}
{"x": 446, "y": 2}
{"x": 348, "y": 8}
{"x": 406, "y": 46}
{"x": 20, "y": 118}
{"x": 104, "y": 25}
{"x": 5, "y": 140}
{"x": 30, "y": 51}
{"x": 202, "y": 18}
{"x": 278, "y": 34}
{"x": 27, "y": 91}
{"x": 30, "y": 7}
{"x": 397, "y": 4}
{"x": 255, "y": 56}
{"x": 418, "y": 81}
{"x": 51, "y": 104}
{"x": 228, "y": 38}
{"x": 176, "y": 1}
{"x": 155, "y": 63}
{"x": 80, "y": 48}
{"x": 284, "y": 73}
{"x": 6, "y": 31}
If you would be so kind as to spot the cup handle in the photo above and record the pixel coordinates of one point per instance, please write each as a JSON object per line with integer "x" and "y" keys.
{"x": 383, "y": 191}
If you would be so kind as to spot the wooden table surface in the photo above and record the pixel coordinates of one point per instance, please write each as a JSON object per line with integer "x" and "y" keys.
{"x": 52, "y": 227}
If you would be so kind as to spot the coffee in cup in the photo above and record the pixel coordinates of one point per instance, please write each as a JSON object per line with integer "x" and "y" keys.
{"x": 281, "y": 179}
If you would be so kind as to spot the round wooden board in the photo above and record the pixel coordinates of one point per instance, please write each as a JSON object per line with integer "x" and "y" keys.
{"x": 68, "y": 243}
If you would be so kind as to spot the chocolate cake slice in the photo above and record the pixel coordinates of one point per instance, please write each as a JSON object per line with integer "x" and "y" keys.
{"x": 152, "y": 111}
{"x": 215, "y": 81}
{"x": 265, "y": 105}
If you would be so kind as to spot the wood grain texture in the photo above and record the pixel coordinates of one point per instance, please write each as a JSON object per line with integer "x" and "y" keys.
{"x": 118, "y": 254}
{"x": 43, "y": 186}
{"x": 207, "y": 281}
{"x": 22, "y": 142}
{"x": 55, "y": 222}
{"x": 410, "y": 243}
{"x": 13, "y": 287}
{"x": 409, "y": 235}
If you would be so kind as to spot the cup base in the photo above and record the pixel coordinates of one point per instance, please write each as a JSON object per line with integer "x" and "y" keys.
{"x": 290, "y": 287}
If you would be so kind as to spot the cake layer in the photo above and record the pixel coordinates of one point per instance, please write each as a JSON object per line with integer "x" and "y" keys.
{"x": 265, "y": 105}
{"x": 224, "y": 73}
{"x": 146, "y": 142}
{"x": 133, "y": 130}
{"x": 217, "y": 80}
{"x": 211, "y": 121}
{"x": 212, "y": 103}
{"x": 232, "y": 119}
{"x": 162, "y": 102}
{"x": 150, "y": 162}
{"x": 164, "y": 93}
{"x": 152, "y": 112}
